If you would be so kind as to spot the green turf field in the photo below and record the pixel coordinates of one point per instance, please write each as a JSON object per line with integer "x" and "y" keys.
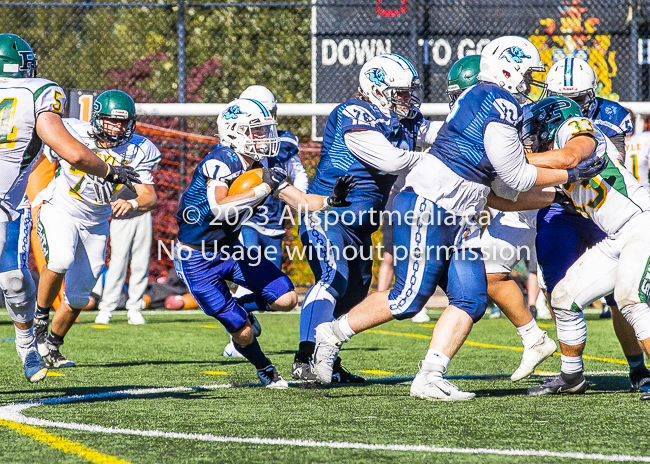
{"x": 367, "y": 423}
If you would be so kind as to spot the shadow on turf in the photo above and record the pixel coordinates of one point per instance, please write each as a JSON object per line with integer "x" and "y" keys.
{"x": 210, "y": 362}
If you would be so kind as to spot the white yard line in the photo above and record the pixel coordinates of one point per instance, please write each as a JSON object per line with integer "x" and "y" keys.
{"x": 14, "y": 412}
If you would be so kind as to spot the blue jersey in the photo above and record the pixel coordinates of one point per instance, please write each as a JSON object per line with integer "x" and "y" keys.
{"x": 196, "y": 222}
{"x": 460, "y": 143}
{"x": 270, "y": 212}
{"x": 373, "y": 186}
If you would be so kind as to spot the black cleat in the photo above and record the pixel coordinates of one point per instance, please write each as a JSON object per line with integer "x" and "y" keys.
{"x": 557, "y": 386}
{"x": 55, "y": 359}
{"x": 303, "y": 372}
{"x": 341, "y": 375}
{"x": 640, "y": 379}
{"x": 40, "y": 333}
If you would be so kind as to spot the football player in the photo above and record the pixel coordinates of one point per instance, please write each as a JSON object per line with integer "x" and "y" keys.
{"x": 619, "y": 205}
{"x": 264, "y": 230}
{"x": 208, "y": 252}
{"x": 562, "y": 235}
{"x": 372, "y": 137}
{"x": 444, "y": 193}
{"x": 637, "y": 155}
{"x": 30, "y": 114}
{"x": 507, "y": 239}
{"x": 75, "y": 248}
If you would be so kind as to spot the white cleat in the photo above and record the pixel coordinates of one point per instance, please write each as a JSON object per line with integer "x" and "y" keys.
{"x": 533, "y": 357}
{"x": 327, "y": 350}
{"x": 135, "y": 318}
{"x": 430, "y": 385}
{"x": 422, "y": 316}
{"x": 231, "y": 352}
{"x": 103, "y": 318}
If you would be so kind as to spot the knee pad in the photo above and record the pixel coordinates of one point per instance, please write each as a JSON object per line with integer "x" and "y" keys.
{"x": 638, "y": 315}
{"x": 20, "y": 294}
{"x": 405, "y": 308}
{"x": 571, "y": 326}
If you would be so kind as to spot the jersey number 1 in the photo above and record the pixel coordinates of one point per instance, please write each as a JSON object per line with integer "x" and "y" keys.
{"x": 7, "y": 129}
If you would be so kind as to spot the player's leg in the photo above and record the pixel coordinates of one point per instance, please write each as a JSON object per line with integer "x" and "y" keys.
{"x": 324, "y": 245}
{"x": 80, "y": 279}
{"x": 205, "y": 278}
{"x": 58, "y": 240}
{"x": 139, "y": 264}
{"x": 504, "y": 245}
{"x": 122, "y": 233}
{"x": 591, "y": 276}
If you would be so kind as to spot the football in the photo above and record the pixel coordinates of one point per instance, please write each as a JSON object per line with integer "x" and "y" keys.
{"x": 246, "y": 181}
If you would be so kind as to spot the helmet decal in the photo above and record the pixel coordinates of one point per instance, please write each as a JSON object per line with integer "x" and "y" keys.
{"x": 377, "y": 76}
{"x": 568, "y": 73}
{"x": 515, "y": 54}
{"x": 233, "y": 112}
{"x": 27, "y": 58}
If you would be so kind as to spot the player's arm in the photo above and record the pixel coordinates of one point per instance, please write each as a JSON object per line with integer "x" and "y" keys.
{"x": 145, "y": 201}
{"x": 53, "y": 133}
{"x": 297, "y": 174}
{"x": 372, "y": 148}
{"x": 534, "y": 198}
{"x": 619, "y": 142}
{"x": 307, "y": 202}
{"x": 579, "y": 148}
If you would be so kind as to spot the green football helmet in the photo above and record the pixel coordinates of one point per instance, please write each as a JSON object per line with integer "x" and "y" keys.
{"x": 113, "y": 105}
{"x": 16, "y": 57}
{"x": 463, "y": 74}
{"x": 542, "y": 120}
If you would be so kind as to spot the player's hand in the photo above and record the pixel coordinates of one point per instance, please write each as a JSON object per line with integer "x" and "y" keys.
{"x": 340, "y": 192}
{"x": 587, "y": 169}
{"x": 562, "y": 199}
{"x": 120, "y": 207}
{"x": 123, "y": 175}
{"x": 272, "y": 178}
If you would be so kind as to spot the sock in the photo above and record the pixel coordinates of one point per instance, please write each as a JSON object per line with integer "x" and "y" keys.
{"x": 305, "y": 352}
{"x": 254, "y": 354}
{"x": 437, "y": 357}
{"x": 571, "y": 364}
{"x": 252, "y": 302}
{"x": 25, "y": 338}
{"x": 571, "y": 379}
{"x": 55, "y": 340}
{"x": 42, "y": 313}
{"x": 636, "y": 362}
{"x": 530, "y": 333}
{"x": 343, "y": 326}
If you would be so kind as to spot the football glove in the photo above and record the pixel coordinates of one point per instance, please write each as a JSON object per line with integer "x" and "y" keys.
{"x": 272, "y": 178}
{"x": 123, "y": 175}
{"x": 587, "y": 169}
{"x": 340, "y": 192}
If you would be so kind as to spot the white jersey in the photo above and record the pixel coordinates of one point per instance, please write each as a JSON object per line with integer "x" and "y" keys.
{"x": 21, "y": 102}
{"x": 614, "y": 196}
{"x": 637, "y": 157}
{"x": 85, "y": 196}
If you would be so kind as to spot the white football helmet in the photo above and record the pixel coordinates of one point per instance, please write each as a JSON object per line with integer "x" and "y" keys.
{"x": 509, "y": 62}
{"x": 575, "y": 79}
{"x": 262, "y": 95}
{"x": 248, "y": 128}
{"x": 390, "y": 81}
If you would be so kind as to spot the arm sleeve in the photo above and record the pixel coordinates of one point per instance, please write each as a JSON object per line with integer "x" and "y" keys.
{"x": 619, "y": 142}
{"x": 374, "y": 149}
{"x": 506, "y": 153}
{"x": 429, "y": 131}
{"x": 229, "y": 210}
{"x": 297, "y": 173}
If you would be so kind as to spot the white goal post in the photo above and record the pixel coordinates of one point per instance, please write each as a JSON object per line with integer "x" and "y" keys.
{"x": 319, "y": 109}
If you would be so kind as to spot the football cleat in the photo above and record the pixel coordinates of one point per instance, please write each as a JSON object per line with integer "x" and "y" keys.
{"x": 103, "y": 317}
{"x": 557, "y": 386}
{"x": 257, "y": 328}
{"x": 645, "y": 397}
{"x": 40, "y": 333}
{"x": 327, "y": 350}
{"x": 135, "y": 318}
{"x": 430, "y": 385}
{"x": 422, "y": 316}
{"x": 55, "y": 359}
{"x": 271, "y": 379}
{"x": 606, "y": 313}
{"x": 303, "y": 372}
{"x": 495, "y": 313}
{"x": 640, "y": 380}
{"x": 34, "y": 366}
{"x": 341, "y": 375}
{"x": 533, "y": 357}
{"x": 230, "y": 351}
